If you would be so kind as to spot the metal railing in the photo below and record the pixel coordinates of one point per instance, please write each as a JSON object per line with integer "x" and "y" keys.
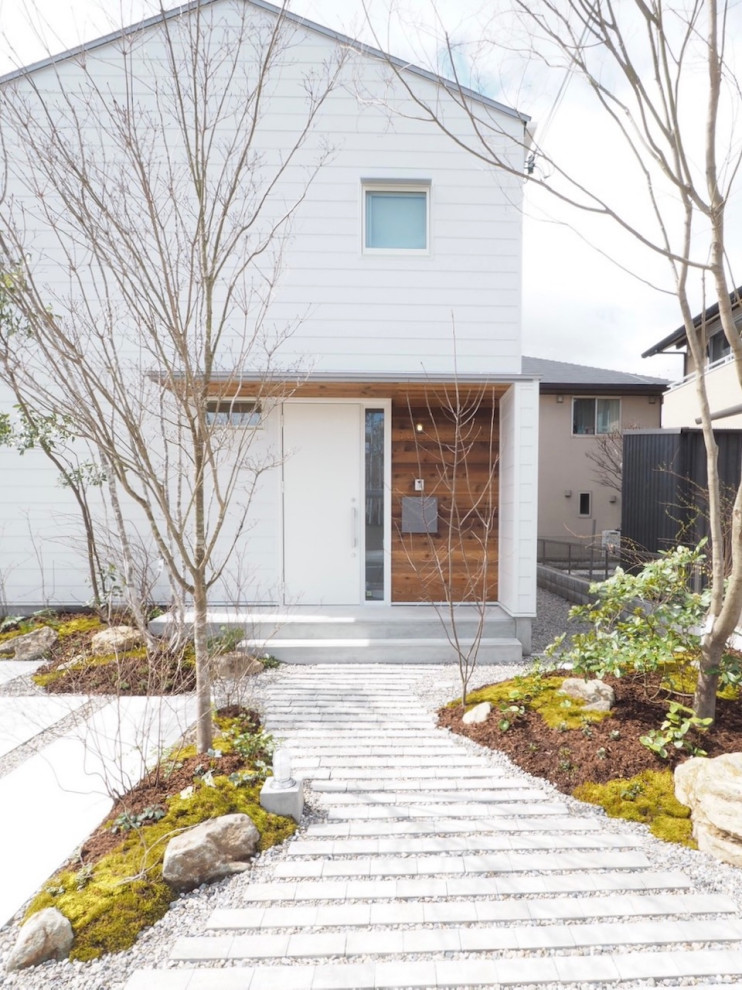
{"x": 582, "y": 559}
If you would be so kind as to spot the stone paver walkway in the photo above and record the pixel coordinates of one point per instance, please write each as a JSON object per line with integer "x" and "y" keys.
{"x": 432, "y": 869}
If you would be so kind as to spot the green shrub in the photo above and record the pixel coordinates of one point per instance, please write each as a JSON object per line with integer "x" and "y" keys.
{"x": 639, "y": 623}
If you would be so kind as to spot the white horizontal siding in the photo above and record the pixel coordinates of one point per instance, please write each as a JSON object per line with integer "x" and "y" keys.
{"x": 471, "y": 277}
{"x": 458, "y": 305}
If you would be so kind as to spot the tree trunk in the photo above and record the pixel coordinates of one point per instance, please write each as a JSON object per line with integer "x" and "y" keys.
{"x": 204, "y": 727}
{"x": 132, "y": 595}
{"x": 704, "y": 699}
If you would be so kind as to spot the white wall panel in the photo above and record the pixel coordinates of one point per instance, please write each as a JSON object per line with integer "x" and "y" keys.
{"x": 519, "y": 498}
{"x": 356, "y": 313}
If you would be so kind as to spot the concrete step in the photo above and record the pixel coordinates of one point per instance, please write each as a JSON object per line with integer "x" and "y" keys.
{"x": 378, "y": 750}
{"x": 423, "y": 845}
{"x": 411, "y": 912}
{"x": 439, "y": 940}
{"x": 560, "y": 968}
{"x": 365, "y": 650}
{"x": 439, "y": 795}
{"x": 344, "y": 621}
{"x": 458, "y": 784}
{"x": 396, "y": 708}
{"x": 468, "y": 865}
{"x": 442, "y": 811}
{"x": 380, "y": 827}
{"x": 449, "y": 767}
{"x": 471, "y": 773}
{"x": 329, "y": 721}
{"x": 488, "y": 888}
{"x": 349, "y": 712}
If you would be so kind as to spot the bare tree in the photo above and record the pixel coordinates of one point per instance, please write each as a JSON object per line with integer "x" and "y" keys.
{"x": 141, "y": 238}
{"x": 51, "y": 436}
{"x": 662, "y": 74}
{"x": 606, "y": 454}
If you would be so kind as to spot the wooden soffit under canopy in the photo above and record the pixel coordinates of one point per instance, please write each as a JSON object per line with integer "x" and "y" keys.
{"x": 354, "y": 389}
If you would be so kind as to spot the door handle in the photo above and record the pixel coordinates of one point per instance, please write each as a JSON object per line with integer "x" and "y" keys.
{"x": 354, "y": 525}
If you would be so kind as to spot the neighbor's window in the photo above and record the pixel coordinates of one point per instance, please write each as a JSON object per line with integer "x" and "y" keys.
{"x": 395, "y": 218}
{"x": 585, "y": 506}
{"x": 591, "y": 416}
{"x": 233, "y": 412}
{"x": 718, "y": 346}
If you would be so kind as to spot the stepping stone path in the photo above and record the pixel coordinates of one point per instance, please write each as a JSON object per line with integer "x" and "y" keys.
{"x": 434, "y": 869}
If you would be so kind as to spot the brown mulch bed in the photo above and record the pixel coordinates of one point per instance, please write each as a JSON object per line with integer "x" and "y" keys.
{"x": 162, "y": 782}
{"x": 576, "y": 756}
{"x": 163, "y": 673}
{"x": 132, "y": 673}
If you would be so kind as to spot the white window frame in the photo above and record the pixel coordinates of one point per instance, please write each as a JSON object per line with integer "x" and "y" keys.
{"x": 239, "y": 413}
{"x": 395, "y": 186}
{"x": 596, "y": 399}
{"x": 589, "y": 496}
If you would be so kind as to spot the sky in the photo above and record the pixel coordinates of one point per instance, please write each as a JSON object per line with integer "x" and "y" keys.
{"x": 578, "y": 305}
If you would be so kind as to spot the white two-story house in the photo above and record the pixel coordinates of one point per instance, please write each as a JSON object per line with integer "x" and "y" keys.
{"x": 400, "y": 275}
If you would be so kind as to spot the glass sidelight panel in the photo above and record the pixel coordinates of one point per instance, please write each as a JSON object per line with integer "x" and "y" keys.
{"x": 374, "y": 513}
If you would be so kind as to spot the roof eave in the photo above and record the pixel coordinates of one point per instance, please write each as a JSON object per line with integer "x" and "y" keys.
{"x": 581, "y": 388}
{"x": 678, "y": 337}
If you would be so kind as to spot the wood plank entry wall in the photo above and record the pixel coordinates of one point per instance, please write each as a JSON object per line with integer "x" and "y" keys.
{"x": 449, "y": 438}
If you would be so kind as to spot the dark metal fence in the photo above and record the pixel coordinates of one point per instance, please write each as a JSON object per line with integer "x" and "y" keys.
{"x": 585, "y": 560}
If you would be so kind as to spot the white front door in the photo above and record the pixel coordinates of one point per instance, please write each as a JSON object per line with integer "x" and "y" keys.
{"x": 322, "y": 507}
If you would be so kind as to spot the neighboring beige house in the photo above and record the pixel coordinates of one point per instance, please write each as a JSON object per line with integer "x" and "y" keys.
{"x": 680, "y": 406}
{"x": 579, "y": 408}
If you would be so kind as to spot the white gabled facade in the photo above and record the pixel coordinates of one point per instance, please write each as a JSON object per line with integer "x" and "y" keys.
{"x": 367, "y": 322}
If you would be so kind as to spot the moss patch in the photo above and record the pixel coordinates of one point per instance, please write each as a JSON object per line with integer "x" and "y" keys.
{"x": 648, "y": 798}
{"x": 539, "y": 694}
{"x": 80, "y": 624}
{"x": 109, "y": 904}
{"x": 111, "y": 900}
{"x": 680, "y": 676}
{"x": 85, "y": 663}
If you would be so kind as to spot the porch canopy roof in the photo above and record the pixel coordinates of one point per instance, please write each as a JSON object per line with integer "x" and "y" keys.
{"x": 344, "y": 385}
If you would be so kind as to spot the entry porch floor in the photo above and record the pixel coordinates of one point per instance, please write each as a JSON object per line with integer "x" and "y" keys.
{"x": 372, "y": 633}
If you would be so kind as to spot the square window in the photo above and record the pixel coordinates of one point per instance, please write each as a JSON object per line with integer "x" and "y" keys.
{"x": 234, "y": 412}
{"x": 595, "y": 416}
{"x": 395, "y": 219}
{"x": 583, "y": 417}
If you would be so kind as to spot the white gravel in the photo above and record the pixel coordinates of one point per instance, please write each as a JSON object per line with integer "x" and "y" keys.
{"x": 435, "y": 686}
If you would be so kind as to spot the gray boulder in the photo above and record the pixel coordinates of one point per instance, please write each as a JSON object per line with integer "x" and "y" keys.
{"x": 116, "y": 639}
{"x": 712, "y": 789}
{"x": 477, "y": 714}
{"x": 235, "y": 665}
{"x": 596, "y": 695}
{"x": 209, "y": 851}
{"x": 46, "y": 935}
{"x": 31, "y": 646}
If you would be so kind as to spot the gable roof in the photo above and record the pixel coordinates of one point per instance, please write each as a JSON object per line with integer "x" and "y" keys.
{"x": 561, "y": 376}
{"x": 678, "y": 337}
{"x": 343, "y": 39}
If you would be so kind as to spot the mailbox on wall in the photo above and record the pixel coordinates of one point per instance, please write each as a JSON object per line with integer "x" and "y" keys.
{"x": 419, "y": 514}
